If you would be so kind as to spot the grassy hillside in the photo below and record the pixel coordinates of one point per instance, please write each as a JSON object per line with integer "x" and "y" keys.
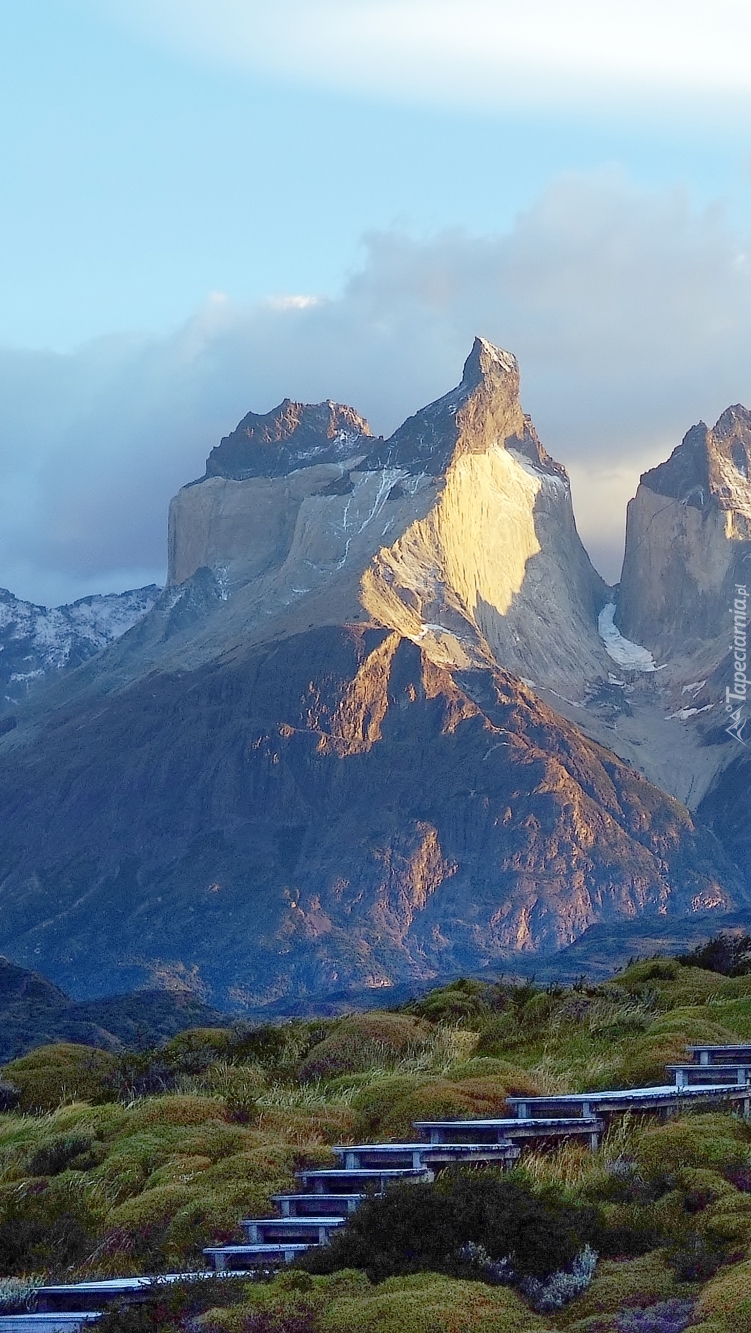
{"x": 119, "y": 1163}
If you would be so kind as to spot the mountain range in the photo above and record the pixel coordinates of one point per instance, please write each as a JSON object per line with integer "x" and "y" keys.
{"x": 386, "y": 723}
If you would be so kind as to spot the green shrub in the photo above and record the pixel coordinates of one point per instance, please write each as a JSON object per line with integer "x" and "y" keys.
{"x": 363, "y": 1041}
{"x": 666, "y": 1041}
{"x": 424, "y": 1227}
{"x": 734, "y": 1013}
{"x": 60, "y": 1153}
{"x": 464, "y": 1001}
{"x": 173, "y": 1305}
{"x": 429, "y": 1303}
{"x": 500, "y": 1034}
{"x": 728, "y": 1297}
{"x": 716, "y": 1142}
{"x": 389, "y": 1107}
{"x": 59, "y": 1073}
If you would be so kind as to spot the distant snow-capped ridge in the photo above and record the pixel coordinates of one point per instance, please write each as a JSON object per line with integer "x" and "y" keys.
{"x": 37, "y": 642}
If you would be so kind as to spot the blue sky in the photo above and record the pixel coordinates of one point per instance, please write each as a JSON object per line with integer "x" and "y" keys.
{"x": 573, "y": 179}
{"x": 139, "y": 177}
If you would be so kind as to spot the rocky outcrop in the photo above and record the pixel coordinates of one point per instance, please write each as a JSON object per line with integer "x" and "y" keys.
{"x": 496, "y": 563}
{"x": 688, "y": 540}
{"x": 291, "y": 436}
{"x": 326, "y": 812}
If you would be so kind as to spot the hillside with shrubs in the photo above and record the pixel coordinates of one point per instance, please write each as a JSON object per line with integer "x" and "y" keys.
{"x": 125, "y": 1162}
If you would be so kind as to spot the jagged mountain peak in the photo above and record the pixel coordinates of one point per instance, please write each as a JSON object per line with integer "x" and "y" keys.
{"x": 483, "y": 411}
{"x": 290, "y": 436}
{"x": 709, "y": 464}
{"x": 458, "y": 531}
{"x": 486, "y": 361}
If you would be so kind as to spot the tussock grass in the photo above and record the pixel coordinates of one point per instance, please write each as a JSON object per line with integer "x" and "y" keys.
{"x": 113, "y": 1182}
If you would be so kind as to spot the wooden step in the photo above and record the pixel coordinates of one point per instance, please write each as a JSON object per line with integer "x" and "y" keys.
{"x": 331, "y": 1180}
{"x": 51, "y": 1321}
{"x": 241, "y": 1258}
{"x": 689, "y": 1075}
{"x": 271, "y": 1230}
{"x": 501, "y": 1128}
{"x": 419, "y": 1156}
{"x": 719, "y": 1055}
{"x": 98, "y": 1294}
{"x": 666, "y": 1097}
{"x": 319, "y": 1205}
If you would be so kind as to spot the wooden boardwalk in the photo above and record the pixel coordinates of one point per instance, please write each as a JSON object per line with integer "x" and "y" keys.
{"x": 540, "y": 1122}
{"x": 327, "y": 1196}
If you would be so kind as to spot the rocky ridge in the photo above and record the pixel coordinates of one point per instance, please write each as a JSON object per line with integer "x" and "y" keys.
{"x": 37, "y": 643}
{"x": 688, "y": 540}
{"x": 458, "y": 531}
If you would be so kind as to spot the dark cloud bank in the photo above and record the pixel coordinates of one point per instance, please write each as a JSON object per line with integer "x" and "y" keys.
{"x": 629, "y": 313}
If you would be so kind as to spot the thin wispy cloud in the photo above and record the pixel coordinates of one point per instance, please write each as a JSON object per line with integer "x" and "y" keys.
{"x": 495, "y": 53}
{"x": 630, "y": 313}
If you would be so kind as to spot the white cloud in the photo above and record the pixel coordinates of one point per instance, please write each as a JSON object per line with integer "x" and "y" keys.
{"x": 629, "y": 312}
{"x": 488, "y": 52}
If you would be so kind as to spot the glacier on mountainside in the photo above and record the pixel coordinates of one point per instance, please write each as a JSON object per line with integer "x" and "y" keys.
{"x": 623, "y": 651}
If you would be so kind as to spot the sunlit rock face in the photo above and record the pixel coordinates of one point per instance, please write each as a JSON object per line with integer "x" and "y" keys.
{"x": 496, "y": 561}
{"x": 459, "y": 527}
{"x": 688, "y": 540}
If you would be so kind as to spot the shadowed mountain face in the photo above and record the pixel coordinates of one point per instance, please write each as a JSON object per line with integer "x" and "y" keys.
{"x": 330, "y": 811}
{"x": 688, "y": 540}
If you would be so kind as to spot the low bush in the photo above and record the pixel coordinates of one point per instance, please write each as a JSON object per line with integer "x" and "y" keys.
{"x": 728, "y": 1296}
{"x": 389, "y": 1107}
{"x": 696, "y": 1258}
{"x": 60, "y": 1153}
{"x": 173, "y": 1305}
{"x": 423, "y": 1227}
{"x": 363, "y": 1041}
{"x": 717, "y": 1142}
{"x": 626, "y": 1285}
{"x": 429, "y": 1303}
{"x": 500, "y": 1034}
{"x": 463, "y": 1001}
{"x": 727, "y": 954}
{"x": 63, "y": 1072}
